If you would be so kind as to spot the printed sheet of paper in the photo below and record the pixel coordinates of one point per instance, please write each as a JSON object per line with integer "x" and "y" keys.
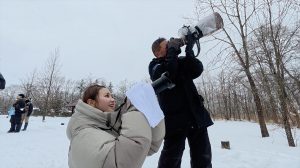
{"x": 143, "y": 97}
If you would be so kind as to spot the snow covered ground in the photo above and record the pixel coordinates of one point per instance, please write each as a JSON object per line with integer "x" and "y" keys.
{"x": 45, "y": 145}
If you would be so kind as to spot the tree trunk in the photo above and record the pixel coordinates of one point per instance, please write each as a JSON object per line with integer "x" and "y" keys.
{"x": 260, "y": 114}
{"x": 247, "y": 107}
{"x": 285, "y": 120}
{"x": 266, "y": 85}
{"x": 229, "y": 104}
{"x": 213, "y": 103}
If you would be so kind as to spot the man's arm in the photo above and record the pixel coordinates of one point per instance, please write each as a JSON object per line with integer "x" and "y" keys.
{"x": 172, "y": 62}
{"x": 17, "y": 105}
{"x": 155, "y": 69}
{"x": 193, "y": 67}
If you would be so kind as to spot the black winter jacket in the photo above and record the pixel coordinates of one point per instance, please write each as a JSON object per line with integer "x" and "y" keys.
{"x": 19, "y": 106}
{"x": 2, "y": 82}
{"x": 181, "y": 105}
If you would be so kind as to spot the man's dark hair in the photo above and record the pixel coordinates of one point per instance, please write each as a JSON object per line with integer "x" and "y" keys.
{"x": 156, "y": 43}
{"x": 21, "y": 95}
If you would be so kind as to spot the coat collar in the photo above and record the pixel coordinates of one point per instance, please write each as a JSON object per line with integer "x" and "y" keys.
{"x": 94, "y": 114}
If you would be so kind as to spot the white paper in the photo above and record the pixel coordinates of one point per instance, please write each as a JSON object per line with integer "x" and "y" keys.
{"x": 143, "y": 97}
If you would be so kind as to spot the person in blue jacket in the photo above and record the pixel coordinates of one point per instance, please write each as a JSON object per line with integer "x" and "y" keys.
{"x": 11, "y": 111}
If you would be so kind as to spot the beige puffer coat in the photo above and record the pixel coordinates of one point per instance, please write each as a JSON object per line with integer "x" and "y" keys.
{"x": 91, "y": 146}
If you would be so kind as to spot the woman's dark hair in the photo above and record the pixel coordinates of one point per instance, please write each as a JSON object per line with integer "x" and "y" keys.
{"x": 156, "y": 44}
{"x": 91, "y": 92}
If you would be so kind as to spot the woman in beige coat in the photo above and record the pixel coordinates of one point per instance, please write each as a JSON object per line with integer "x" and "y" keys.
{"x": 100, "y": 138}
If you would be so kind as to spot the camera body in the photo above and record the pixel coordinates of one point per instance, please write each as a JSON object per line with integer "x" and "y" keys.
{"x": 162, "y": 83}
{"x": 190, "y": 35}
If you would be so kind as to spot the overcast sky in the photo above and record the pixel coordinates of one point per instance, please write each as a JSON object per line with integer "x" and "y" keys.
{"x": 108, "y": 39}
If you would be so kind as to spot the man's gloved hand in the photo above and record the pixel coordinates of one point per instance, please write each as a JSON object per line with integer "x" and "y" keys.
{"x": 175, "y": 44}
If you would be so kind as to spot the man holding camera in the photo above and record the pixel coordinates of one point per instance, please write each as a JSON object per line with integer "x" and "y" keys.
{"x": 185, "y": 114}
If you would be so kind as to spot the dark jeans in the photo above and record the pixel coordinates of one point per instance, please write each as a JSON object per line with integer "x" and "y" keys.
{"x": 16, "y": 124}
{"x": 174, "y": 145}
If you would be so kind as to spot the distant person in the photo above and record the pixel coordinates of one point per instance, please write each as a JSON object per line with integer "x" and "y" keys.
{"x": 2, "y": 82}
{"x": 26, "y": 115}
{"x": 185, "y": 114}
{"x": 98, "y": 139}
{"x": 15, "y": 120}
{"x": 11, "y": 111}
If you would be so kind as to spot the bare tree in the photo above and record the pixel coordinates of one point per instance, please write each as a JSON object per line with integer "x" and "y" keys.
{"x": 48, "y": 79}
{"x": 278, "y": 43}
{"x": 28, "y": 84}
{"x": 239, "y": 14}
{"x": 206, "y": 88}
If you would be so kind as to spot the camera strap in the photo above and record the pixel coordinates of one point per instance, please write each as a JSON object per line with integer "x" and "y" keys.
{"x": 198, "y": 48}
{"x": 117, "y": 122}
{"x": 200, "y": 34}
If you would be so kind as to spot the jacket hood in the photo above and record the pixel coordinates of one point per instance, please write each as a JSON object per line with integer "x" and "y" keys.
{"x": 86, "y": 116}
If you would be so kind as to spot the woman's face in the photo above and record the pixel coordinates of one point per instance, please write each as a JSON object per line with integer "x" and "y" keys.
{"x": 104, "y": 101}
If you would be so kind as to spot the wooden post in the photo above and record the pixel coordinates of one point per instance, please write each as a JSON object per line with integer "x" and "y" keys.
{"x": 225, "y": 144}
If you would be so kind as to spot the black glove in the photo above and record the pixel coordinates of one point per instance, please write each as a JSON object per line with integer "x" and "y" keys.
{"x": 175, "y": 43}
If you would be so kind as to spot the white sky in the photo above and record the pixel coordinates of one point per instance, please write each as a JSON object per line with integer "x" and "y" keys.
{"x": 107, "y": 39}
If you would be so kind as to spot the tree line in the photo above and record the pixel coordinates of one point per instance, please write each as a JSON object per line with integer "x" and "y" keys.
{"x": 51, "y": 92}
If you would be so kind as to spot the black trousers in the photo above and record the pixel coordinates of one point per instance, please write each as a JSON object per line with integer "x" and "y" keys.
{"x": 16, "y": 124}
{"x": 174, "y": 145}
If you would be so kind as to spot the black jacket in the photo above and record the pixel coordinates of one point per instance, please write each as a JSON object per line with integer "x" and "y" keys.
{"x": 2, "y": 82}
{"x": 19, "y": 106}
{"x": 181, "y": 105}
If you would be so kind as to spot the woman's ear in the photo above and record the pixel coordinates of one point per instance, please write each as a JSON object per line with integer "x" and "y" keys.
{"x": 91, "y": 102}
